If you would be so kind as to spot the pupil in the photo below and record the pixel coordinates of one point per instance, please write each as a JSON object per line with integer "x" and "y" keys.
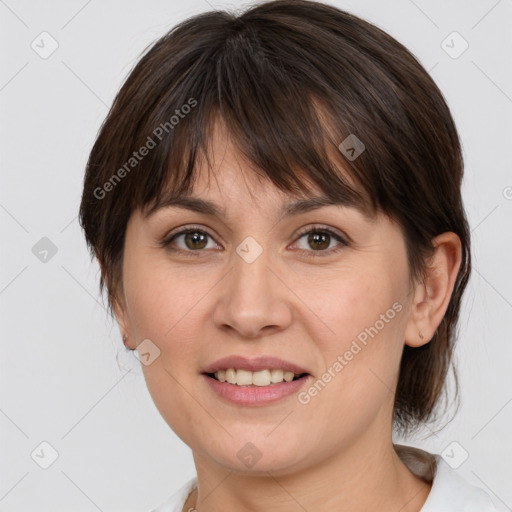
{"x": 195, "y": 237}
{"x": 321, "y": 240}
{"x": 318, "y": 238}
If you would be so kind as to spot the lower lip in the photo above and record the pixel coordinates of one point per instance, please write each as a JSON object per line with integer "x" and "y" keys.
{"x": 255, "y": 395}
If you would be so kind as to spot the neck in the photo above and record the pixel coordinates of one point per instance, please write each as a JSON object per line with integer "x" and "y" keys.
{"x": 362, "y": 478}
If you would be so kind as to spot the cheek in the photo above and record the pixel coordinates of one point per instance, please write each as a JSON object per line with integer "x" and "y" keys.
{"x": 165, "y": 308}
{"x": 361, "y": 354}
{"x": 160, "y": 298}
{"x": 349, "y": 307}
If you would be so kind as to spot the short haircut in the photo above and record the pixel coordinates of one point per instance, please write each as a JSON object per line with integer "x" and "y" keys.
{"x": 291, "y": 80}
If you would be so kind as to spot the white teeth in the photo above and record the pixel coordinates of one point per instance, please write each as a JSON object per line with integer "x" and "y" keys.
{"x": 248, "y": 378}
{"x": 231, "y": 376}
{"x": 261, "y": 378}
{"x": 276, "y": 376}
{"x": 243, "y": 378}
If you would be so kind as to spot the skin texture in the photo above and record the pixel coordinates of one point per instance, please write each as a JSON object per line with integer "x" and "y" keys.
{"x": 334, "y": 453}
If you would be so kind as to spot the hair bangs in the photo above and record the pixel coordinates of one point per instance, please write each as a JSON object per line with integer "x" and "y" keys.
{"x": 292, "y": 143}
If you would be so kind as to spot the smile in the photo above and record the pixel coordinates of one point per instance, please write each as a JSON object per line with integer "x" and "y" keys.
{"x": 259, "y": 378}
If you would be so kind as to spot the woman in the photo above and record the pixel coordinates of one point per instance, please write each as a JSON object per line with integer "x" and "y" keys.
{"x": 294, "y": 311}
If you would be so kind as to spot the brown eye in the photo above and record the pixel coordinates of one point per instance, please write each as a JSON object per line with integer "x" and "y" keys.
{"x": 319, "y": 241}
{"x": 189, "y": 241}
{"x": 195, "y": 240}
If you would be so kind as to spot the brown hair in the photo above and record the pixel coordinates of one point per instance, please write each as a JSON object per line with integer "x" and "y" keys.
{"x": 291, "y": 79}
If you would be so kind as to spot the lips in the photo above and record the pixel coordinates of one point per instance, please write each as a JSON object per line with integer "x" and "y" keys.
{"x": 254, "y": 364}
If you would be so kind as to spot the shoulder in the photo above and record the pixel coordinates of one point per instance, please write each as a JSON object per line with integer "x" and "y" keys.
{"x": 450, "y": 492}
{"x": 175, "y": 502}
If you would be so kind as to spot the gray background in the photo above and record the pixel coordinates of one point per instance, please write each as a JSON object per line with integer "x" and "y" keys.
{"x": 65, "y": 378}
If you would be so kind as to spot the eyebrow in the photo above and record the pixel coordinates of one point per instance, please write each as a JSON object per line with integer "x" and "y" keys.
{"x": 207, "y": 207}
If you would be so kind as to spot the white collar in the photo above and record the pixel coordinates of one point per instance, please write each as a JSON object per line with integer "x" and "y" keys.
{"x": 450, "y": 492}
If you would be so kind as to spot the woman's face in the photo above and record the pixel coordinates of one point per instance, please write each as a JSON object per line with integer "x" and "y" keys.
{"x": 253, "y": 282}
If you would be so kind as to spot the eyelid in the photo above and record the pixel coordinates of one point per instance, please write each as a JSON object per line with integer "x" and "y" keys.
{"x": 322, "y": 227}
{"x": 182, "y": 230}
{"x": 344, "y": 240}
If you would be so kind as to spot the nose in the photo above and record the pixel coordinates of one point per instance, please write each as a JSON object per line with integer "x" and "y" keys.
{"x": 253, "y": 301}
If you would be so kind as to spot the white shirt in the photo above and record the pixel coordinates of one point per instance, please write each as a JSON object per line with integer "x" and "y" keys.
{"x": 449, "y": 493}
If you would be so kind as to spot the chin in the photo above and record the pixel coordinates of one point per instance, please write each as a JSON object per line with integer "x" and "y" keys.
{"x": 259, "y": 456}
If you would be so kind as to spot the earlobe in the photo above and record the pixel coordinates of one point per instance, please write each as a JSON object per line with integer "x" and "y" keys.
{"x": 432, "y": 296}
{"x": 120, "y": 313}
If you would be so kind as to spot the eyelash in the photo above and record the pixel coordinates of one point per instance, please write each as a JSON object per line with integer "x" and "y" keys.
{"x": 166, "y": 243}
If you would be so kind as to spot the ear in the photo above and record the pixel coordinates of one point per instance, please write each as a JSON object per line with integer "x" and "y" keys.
{"x": 119, "y": 306}
{"x": 432, "y": 296}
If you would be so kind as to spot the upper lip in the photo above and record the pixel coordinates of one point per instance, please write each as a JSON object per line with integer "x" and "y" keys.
{"x": 254, "y": 364}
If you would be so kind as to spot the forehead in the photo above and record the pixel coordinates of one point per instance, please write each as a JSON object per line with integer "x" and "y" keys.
{"x": 233, "y": 184}
{"x": 225, "y": 180}
{"x": 231, "y": 188}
